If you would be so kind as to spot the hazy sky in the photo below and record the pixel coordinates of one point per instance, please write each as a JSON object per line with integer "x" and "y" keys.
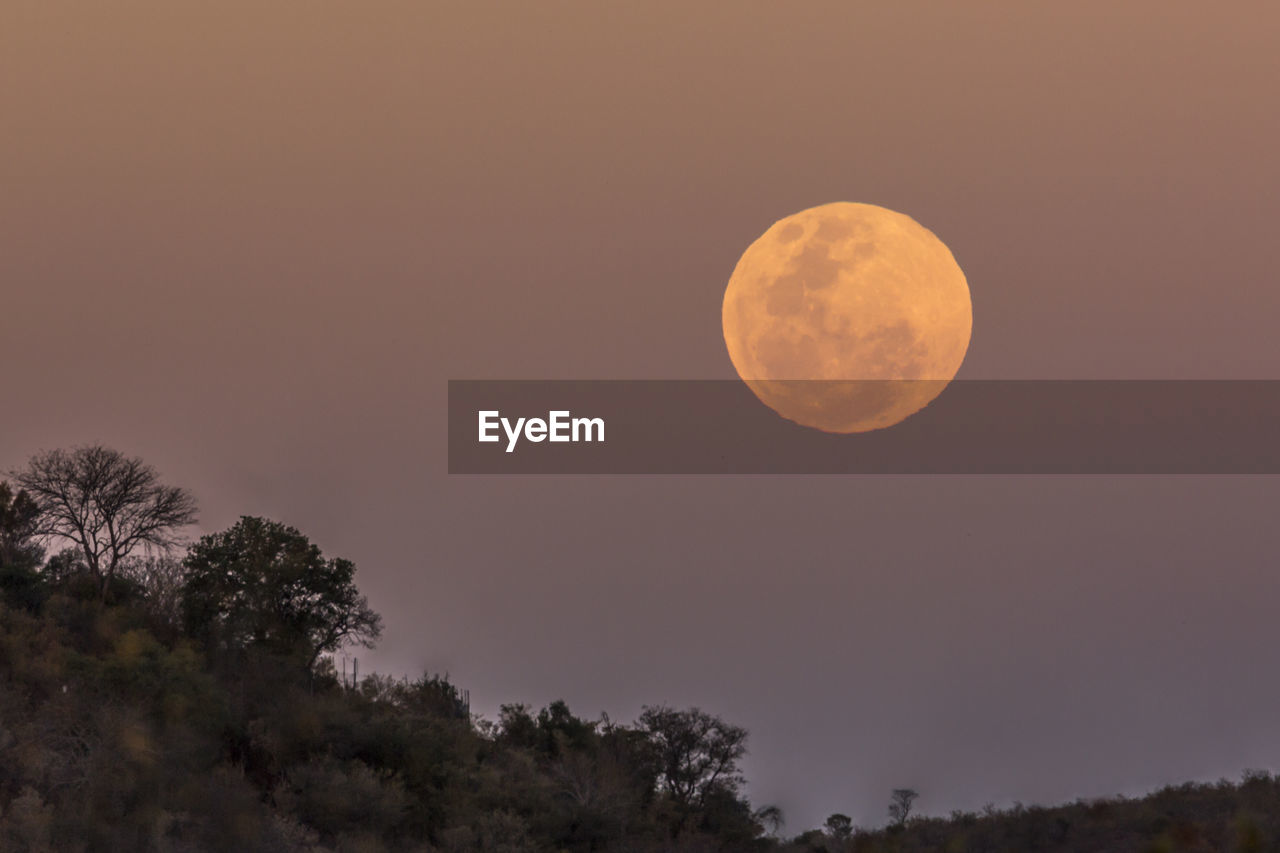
{"x": 251, "y": 241}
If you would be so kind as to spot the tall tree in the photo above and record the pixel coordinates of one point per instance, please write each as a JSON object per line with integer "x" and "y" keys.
{"x": 265, "y": 585}
{"x": 900, "y": 806}
{"x": 109, "y": 505}
{"x": 697, "y": 757}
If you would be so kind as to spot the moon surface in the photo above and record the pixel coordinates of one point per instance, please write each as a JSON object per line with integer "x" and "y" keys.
{"x": 847, "y": 317}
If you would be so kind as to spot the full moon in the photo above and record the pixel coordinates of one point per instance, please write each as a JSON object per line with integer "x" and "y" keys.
{"x": 847, "y": 317}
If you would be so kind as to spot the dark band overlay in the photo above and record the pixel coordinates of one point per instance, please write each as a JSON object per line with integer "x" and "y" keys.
{"x": 972, "y": 427}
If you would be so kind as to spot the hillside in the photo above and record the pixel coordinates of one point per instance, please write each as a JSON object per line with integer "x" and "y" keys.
{"x": 185, "y": 699}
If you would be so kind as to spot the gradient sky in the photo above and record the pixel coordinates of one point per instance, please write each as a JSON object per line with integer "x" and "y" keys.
{"x": 250, "y": 242}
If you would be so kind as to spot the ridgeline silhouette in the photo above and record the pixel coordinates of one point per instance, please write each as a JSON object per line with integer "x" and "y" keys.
{"x": 153, "y": 700}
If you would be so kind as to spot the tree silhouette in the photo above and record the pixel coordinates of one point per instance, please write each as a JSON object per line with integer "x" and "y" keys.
{"x": 19, "y": 521}
{"x": 20, "y": 554}
{"x": 106, "y": 503}
{"x": 264, "y": 585}
{"x": 697, "y": 756}
{"x": 900, "y": 805}
{"x": 771, "y": 817}
{"x": 839, "y": 826}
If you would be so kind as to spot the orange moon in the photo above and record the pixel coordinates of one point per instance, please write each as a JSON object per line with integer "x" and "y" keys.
{"x": 847, "y": 317}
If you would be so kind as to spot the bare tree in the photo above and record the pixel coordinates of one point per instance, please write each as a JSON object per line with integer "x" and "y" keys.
{"x": 107, "y": 504}
{"x": 900, "y": 805}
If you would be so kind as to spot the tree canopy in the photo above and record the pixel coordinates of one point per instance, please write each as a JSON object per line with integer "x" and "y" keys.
{"x": 697, "y": 757}
{"x": 264, "y": 585}
{"x": 20, "y": 553}
{"x": 19, "y": 523}
{"x": 108, "y": 504}
{"x": 121, "y": 729}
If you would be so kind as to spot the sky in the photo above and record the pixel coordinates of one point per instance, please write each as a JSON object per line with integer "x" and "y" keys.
{"x": 252, "y": 243}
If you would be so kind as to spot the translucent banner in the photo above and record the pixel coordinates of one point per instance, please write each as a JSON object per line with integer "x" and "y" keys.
{"x": 971, "y": 427}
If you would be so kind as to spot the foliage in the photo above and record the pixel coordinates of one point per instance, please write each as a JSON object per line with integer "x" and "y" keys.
{"x": 839, "y": 826}
{"x": 266, "y": 586}
{"x": 19, "y": 526}
{"x": 697, "y": 758}
{"x": 192, "y": 707}
{"x": 1190, "y": 818}
{"x": 118, "y": 733}
{"x": 155, "y": 704}
{"x": 20, "y": 554}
